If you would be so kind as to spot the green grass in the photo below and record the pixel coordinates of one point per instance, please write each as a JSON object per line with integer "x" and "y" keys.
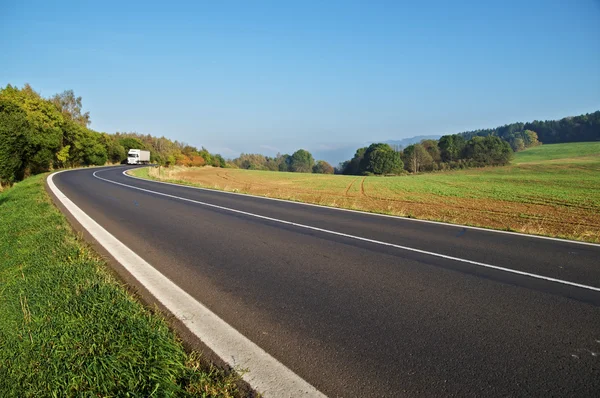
{"x": 558, "y": 151}
{"x": 67, "y": 327}
{"x": 575, "y": 183}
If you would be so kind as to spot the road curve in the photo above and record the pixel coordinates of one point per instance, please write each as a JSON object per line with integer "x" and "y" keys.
{"x": 364, "y": 305}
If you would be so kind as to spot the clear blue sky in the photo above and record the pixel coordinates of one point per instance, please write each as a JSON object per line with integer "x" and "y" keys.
{"x": 258, "y": 76}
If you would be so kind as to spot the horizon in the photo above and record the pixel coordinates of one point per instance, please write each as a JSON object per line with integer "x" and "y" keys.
{"x": 263, "y": 78}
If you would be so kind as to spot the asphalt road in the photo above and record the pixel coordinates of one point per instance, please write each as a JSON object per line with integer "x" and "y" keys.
{"x": 359, "y": 318}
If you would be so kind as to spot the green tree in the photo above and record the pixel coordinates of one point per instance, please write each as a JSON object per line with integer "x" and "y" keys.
{"x": 95, "y": 153}
{"x": 87, "y": 147}
{"x": 44, "y": 135}
{"x": 251, "y": 161}
{"x": 381, "y": 159}
{"x": 353, "y": 167}
{"x": 63, "y": 156}
{"x": 116, "y": 152}
{"x": 341, "y": 167}
{"x": 530, "y": 138}
{"x": 417, "y": 158}
{"x": 489, "y": 150}
{"x": 302, "y": 161}
{"x": 284, "y": 162}
{"x": 451, "y": 147}
{"x": 218, "y": 161}
{"x": 131, "y": 143}
{"x": 71, "y": 107}
{"x": 322, "y": 167}
{"x": 14, "y": 129}
{"x": 206, "y": 155}
{"x": 517, "y": 144}
{"x": 569, "y": 129}
{"x": 431, "y": 146}
{"x": 74, "y": 138}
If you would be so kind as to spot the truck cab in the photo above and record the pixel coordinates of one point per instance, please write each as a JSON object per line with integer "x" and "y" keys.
{"x": 138, "y": 156}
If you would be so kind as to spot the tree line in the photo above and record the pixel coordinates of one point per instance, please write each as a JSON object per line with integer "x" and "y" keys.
{"x": 580, "y": 128}
{"x": 163, "y": 151}
{"x": 39, "y": 134}
{"x": 449, "y": 152}
{"x": 478, "y": 148}
{"x": 300, "y": 161}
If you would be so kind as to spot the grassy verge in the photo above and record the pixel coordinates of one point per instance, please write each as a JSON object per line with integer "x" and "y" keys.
{"x": 67, "y": 327}
{"x": 549, "y": 190}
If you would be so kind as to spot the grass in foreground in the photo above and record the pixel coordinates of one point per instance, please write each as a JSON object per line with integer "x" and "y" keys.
{"x": 549, "y": 190}
{"x": 68, "y": 328}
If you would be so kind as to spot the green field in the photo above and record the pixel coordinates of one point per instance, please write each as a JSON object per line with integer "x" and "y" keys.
{"x": 68, "y": 328}
{"x": 549, "y": 190}
{"x": 546, "y": 153}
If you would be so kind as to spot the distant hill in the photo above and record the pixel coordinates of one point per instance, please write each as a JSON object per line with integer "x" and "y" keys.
{"x": 412, "y": 140}
{"x": 335, "y": 155}
{"x": 339, "y": 153}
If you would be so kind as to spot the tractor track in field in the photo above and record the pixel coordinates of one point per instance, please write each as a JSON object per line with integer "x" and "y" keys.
{"x": 499, "y": 215}
{"x": 362, "y": 188}
{"x": 349, "y": 187}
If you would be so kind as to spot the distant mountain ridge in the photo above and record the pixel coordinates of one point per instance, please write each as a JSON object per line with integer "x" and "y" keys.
{"x": 412, "y": 140}
{"x": 343, "y": 152}
{"x": 585, "y": 127}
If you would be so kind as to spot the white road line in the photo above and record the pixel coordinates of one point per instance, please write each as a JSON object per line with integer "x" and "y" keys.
{"x": 265, "y": 373}
{"x": 447, "y": 224}
{"x": 513, "y": 271}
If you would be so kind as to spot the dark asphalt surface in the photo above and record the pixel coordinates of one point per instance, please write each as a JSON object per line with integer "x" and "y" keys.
{"x": 360, "y": 319}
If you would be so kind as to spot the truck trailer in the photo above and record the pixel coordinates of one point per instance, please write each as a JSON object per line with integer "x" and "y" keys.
{"x": 138, "y": 156}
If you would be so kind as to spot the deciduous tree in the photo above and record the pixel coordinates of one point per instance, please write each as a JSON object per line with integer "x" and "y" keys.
{"x": 71, "y": 107}
{"x": 322, "y": 167}
{"x": 417, "y": 158}
{"x": 381, "y": 159}
{"x": 302, "y": 161}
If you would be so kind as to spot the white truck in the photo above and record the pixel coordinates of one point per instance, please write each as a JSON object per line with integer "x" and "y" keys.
{"x": 138, "y": 156}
